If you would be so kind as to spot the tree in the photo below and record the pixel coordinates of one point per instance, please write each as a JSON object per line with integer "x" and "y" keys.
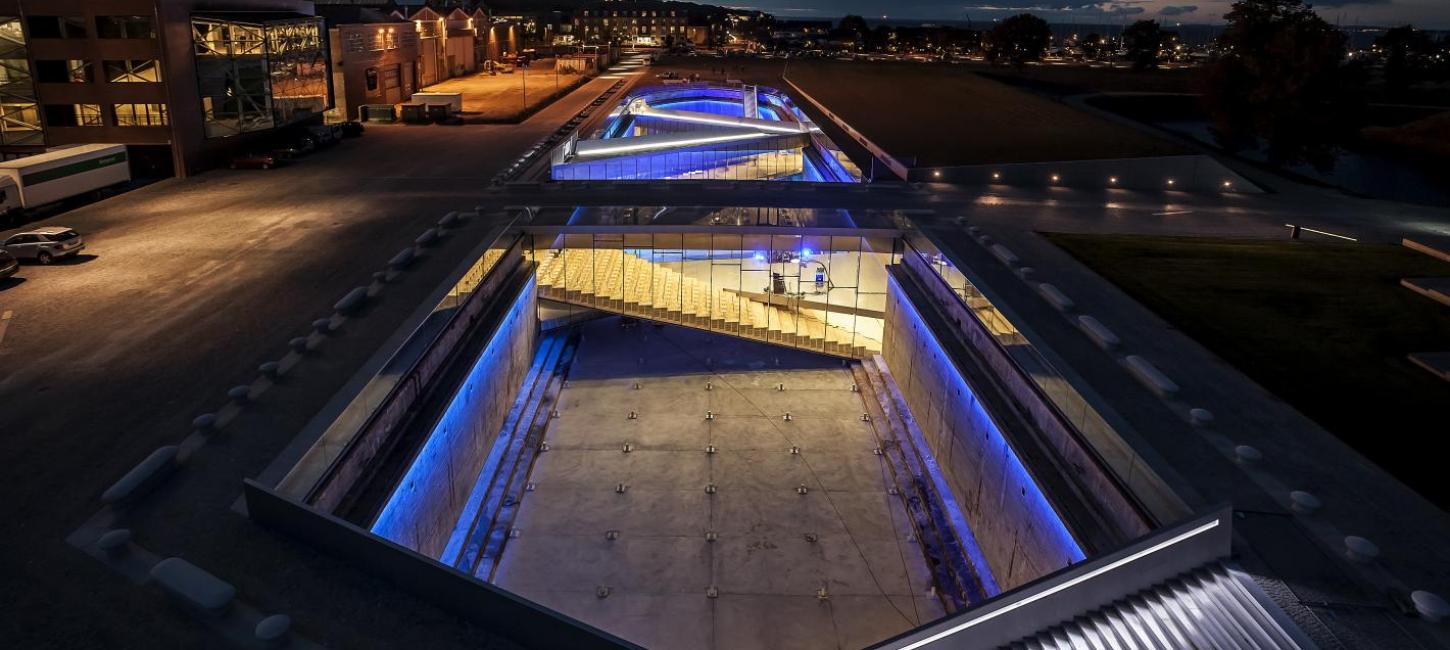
{"x": 853, "y": 28}
{"x": 1282, "y": 80}
{"x": 1144, "y": 41}
{"x": 1018, "y": 39}
{"x": 1091, "y": 46}
{"x": 1408, "y": 55}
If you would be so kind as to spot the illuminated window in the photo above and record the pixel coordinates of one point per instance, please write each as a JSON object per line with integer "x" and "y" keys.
{"x": 125, "y": 27}
{"x": 141, "y": 115}
{"x": 73, "y": 114}
{"x": 133, "y": 71}
{"x": 71, "y": 71}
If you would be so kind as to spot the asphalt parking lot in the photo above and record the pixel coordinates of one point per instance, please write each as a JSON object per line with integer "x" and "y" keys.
{"x": 185, "y": 286}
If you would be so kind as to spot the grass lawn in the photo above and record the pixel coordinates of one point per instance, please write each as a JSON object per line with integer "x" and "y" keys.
{"x": 1326, "y": 327}
{"x": 948, "y": 115}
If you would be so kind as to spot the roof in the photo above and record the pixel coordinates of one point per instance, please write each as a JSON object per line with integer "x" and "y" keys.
{"x": 60, "y": 154}
{"x": 1212, "y": 607}
{"x": 252, "y": 17}
{"x": 354, "y": 15}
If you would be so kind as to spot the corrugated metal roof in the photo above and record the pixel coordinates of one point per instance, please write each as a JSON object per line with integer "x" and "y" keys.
{"x": 1210, "y": 608}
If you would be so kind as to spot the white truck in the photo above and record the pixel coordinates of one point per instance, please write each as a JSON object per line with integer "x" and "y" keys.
{"x": 33, "y": 181}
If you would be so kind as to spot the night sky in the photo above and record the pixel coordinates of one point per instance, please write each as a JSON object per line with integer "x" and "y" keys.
{"x": 1430, "y": 14}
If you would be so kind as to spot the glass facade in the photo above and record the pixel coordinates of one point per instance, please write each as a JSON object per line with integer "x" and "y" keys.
{"x": 19, "y": 112}
{"x": 824, "y": 292}
{"x": 257, "y": 77}
{"x": 704, "y": 132}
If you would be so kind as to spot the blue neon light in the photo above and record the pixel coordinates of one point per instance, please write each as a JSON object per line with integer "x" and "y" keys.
{"x": 1045, "y": 517}
{"x": 399, "y": 518}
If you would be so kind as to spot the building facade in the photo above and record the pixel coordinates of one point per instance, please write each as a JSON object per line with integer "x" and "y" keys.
{"x": 624, "y": 23}
{"x": 186, "y": 83}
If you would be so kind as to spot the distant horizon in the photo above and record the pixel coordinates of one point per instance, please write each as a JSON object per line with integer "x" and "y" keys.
{"x": 1086, "y": 21}
{"x": 1431, "y": 15}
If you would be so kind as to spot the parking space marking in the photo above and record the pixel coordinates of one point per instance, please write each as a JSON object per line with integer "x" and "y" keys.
{"x": 5, "y": 323}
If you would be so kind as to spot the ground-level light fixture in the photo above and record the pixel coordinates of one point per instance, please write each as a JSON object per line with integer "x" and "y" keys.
{"x": 936, "y": 173}
{"x": 1171, "y": 182}
{"x": 1227, "y": 184}
{"x": 996, "y": 176}
{"x": 1056, "y": 178}
{"x": 1112, "y": 180}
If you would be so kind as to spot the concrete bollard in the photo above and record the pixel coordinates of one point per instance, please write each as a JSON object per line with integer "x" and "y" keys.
{"x": 322, "y": 326}
{"x": 1304, "y": 503}
{"x": 240, "y": 394}
{"x": 273, "y": 631}
{"x": 449, "y": 220}
{"x": 298, "y": 345}
{"x": 204, "y": 423}
{"x": 1003, "y": 254}
{"x": 1149, "y": 375}
{"x": 1246, "y": 455}
{"x": 428, "y": 238}
{"x": 1027, "y": 273}
{"x": 193, "y": 586}
{"x": 1200, "y": 418}
{"x": 1103, "y": 337}
{"x": 1430, "y": 606}
{"x": 271, "y": 370}
{"x": 352, "y": 301}
{"x": 402, "y": 260}
{"x": 1359, "y": 549}
{"x": 143, "y": 476}
{"x": 115, "y": 542}
{"x": 1055, "y": 297}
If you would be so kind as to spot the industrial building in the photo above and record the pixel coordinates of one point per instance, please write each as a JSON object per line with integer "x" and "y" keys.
{"x": 186, "y": 84}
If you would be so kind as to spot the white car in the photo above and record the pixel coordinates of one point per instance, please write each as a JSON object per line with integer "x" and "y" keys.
{"x": 44, "y": 245}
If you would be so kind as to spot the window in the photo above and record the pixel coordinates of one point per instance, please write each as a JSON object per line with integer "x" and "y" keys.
{"x": 125, "y": 27}
{"x": 133, "y": 71}
{"x": 69, "y": 71}
{"x": 73, "y": 114}
{"x": 393, "y": 77}
{"x": 372, "y": 77}
{"x": 56, "y": 26}
{"x": 141, "y": 115}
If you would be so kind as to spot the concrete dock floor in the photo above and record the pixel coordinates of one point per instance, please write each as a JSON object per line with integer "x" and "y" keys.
{"x": 661, "y": 582}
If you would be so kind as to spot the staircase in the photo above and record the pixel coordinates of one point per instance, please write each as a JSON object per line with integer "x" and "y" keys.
{"x": 624, "y": 283}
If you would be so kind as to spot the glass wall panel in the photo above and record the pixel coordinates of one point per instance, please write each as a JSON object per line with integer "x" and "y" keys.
{"x": 19, "y": 112}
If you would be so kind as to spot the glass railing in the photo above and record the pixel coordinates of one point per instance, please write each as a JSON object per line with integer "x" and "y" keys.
{"x": 821, "y": 293}
{"x": 1109, "y": 446}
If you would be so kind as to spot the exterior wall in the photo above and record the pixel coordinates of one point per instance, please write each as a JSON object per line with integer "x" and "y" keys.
{"x": 1020, "y": 534}
{"x": 190, "y": 150}
{"x": 426, "y": 505}
{"x": 355, "y": 51}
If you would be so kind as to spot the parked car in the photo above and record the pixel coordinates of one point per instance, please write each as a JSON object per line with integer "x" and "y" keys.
{"x": 8, "y": 264}
{"x": 255, "y": 161}
{"x": 44, "y": 245}
{"x": 322, "y": 135}
{"x": 351, "y": 129}
{"x": 294, "y": 150}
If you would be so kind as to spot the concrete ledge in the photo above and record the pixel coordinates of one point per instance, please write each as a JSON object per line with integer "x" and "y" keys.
{"x": 193, "y": 586}
{"x": 1151, "y": 376}
{"x": 1436, "y": 248}
{"x": 1437, "y": 289}
{"x": 143, "y": 476}
{"x": 1438, "y": 363}
{"x": 1055, "y": 297}
{"x": 1098, "y": 332}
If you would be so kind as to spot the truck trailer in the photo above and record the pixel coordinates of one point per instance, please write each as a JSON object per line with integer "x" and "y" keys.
{"x": 33, "y": 181}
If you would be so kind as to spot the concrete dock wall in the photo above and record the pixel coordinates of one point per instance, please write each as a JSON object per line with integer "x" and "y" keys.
{"x": 425, "y": 505}
{"x": 1021, "y": 535}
